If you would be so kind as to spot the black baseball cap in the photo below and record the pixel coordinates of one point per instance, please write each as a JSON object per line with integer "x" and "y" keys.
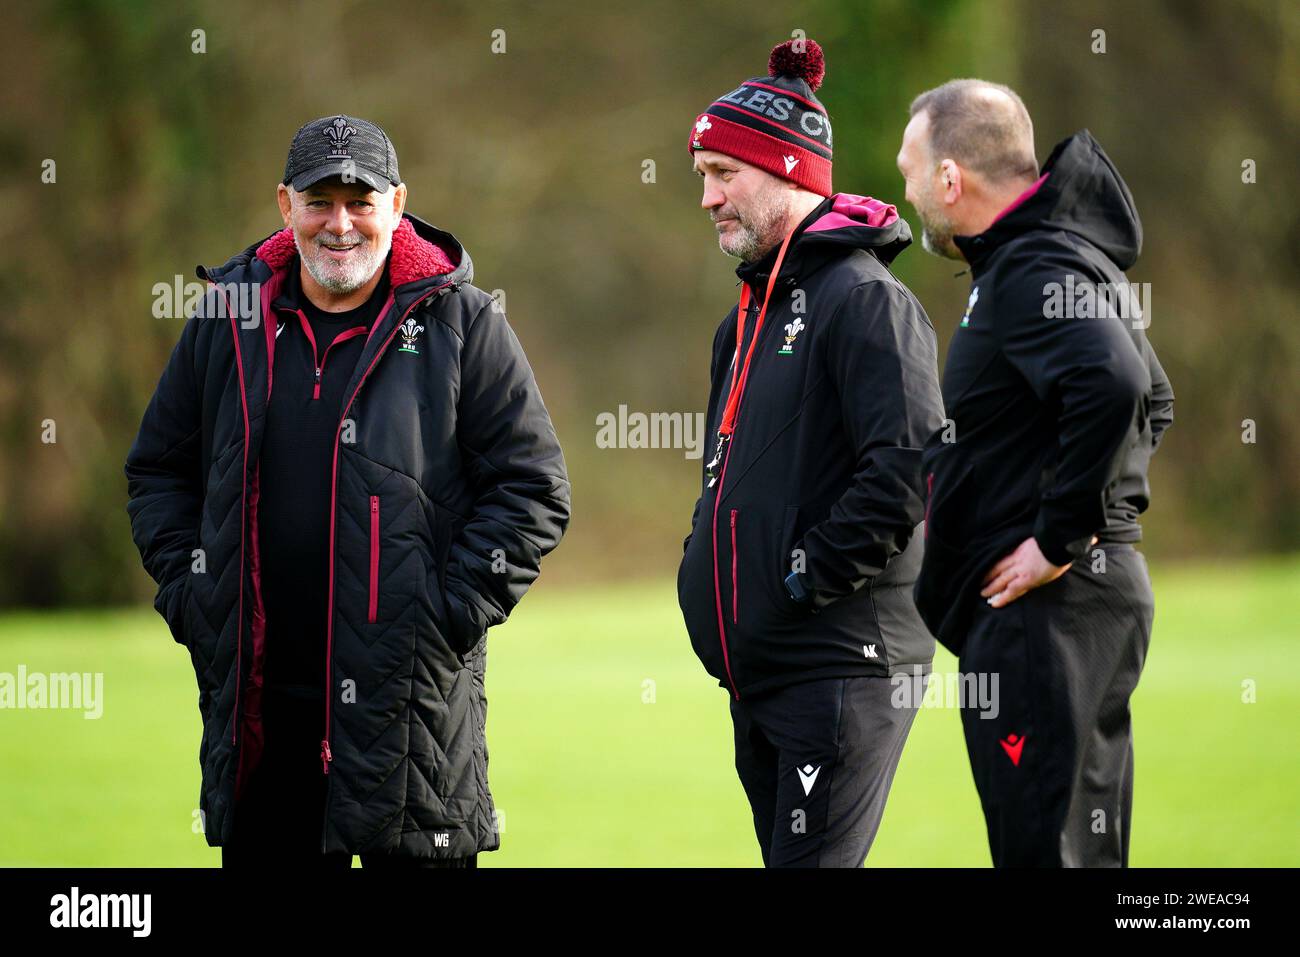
{"x": 341, "y": 146}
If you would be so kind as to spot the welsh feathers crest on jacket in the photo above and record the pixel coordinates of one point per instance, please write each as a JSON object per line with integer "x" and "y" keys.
{"x": 409, "y": 331}
{"x": 792, "y": 329}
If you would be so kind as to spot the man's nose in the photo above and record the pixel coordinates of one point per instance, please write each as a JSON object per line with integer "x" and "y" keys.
{"x": 339, "y": 222}
{"x": 712, "y": 198}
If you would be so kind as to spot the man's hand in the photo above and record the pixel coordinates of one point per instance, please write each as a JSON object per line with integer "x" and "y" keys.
{"x": 1023, "y": 569}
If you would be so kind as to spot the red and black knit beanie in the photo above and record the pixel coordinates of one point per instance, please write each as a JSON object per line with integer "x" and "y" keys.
{"x": 774, "y": 121}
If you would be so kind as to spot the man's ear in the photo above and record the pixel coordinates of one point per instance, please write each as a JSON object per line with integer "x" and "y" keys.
{"x": 284, "y": 201}
{"x": 950, "y": 182}
{"x": 399, "y": 201}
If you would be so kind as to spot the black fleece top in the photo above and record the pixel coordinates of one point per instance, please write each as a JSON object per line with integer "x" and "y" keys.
{"x": 296, "y": 468}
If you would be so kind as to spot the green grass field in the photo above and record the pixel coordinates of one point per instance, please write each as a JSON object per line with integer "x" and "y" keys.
{"x": 589, "y": 771}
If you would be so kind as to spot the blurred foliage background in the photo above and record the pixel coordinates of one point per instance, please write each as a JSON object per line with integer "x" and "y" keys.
{"x": 534, "y": 158}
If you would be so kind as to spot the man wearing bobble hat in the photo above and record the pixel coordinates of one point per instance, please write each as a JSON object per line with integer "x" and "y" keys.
{"x": 796, "y": 580}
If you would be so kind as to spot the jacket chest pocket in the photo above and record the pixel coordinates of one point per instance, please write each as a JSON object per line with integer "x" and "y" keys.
{"x": 382, "y": 549}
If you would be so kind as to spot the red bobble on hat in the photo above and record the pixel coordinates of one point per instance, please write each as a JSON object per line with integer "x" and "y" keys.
{"x": 801, "y": 58}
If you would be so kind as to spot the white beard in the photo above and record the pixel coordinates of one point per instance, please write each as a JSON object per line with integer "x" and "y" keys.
{"x": 343, "y": 277}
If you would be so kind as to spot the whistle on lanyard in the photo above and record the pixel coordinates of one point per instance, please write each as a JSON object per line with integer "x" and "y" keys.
{"x": 716, "y": 462}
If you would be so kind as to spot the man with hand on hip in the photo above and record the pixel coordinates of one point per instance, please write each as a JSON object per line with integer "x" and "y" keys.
{"x": 1036, "y": 483}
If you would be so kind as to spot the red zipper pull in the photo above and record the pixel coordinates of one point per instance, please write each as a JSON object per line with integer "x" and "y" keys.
{"x": 325, "y": 756}
{"x": 315, "y": 393}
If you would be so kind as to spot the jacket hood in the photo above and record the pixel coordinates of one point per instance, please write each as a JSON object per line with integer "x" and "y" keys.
{"x": 859, "y": 222}
{"x": 422, "y": 255}
{"x": 1079, "y": 192}
{"x": 839, "y": 224}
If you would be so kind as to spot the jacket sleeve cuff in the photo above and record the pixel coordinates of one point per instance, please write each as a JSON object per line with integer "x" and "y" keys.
{"x": 466, "y": 625}
{"x": 817, "y": 597}
{"x": 1060, "y": 552}
{"x": 170, "y": 603}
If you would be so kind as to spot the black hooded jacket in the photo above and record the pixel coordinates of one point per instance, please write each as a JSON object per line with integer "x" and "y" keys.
{"x": 1054, "y": 397}
{"x": 822, "y": 474}
{"x": 447, "y": 486}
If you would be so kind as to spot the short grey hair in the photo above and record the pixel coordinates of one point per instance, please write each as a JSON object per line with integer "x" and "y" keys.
{"x": 990, "y": 134}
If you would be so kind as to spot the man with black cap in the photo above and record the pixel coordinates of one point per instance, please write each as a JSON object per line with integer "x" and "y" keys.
{"x": 796, "y": 580}
{"x": 1036, "y": 484}
{"x": 345, "y": 477}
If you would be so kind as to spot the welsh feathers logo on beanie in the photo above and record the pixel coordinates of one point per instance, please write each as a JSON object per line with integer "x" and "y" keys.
{"x": 775, "y": 122}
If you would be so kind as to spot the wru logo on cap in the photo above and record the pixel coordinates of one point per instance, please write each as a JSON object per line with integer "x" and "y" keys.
{"x": 701, "y": 125}
{"x": 338, "y": 133}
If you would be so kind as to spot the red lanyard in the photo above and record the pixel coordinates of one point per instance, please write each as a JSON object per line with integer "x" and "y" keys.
{"x": 739, "y": 374}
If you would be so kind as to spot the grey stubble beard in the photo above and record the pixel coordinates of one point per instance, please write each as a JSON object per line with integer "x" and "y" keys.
{"x": 760, "y": 228}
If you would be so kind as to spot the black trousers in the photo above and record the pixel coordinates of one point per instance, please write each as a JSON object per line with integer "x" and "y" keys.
{"x": 1053, "y": 762}
{"x": 817, "y": 760}
{"x": 280, "y": 817}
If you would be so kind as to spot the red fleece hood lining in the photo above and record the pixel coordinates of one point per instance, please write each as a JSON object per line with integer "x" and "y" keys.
{"x": 849, "y": 210}
{"x": 412, "y": 257}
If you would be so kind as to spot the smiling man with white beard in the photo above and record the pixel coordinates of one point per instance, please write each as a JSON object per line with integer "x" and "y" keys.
{"x": 338, "y": 495}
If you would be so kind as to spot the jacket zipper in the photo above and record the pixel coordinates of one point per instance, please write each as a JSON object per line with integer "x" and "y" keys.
{"x": 718, "y": 598}
{"x": 717, "y": 585}
{"x": 929, "y": 497}
{"x": 374, "y": 558}
{"x": 326, "y": 756}
{"x": 735, "y": 581}
{"x": 318, "y": 364}
{"x": 243, "y": 513}
{"x": 346, "y": 334}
